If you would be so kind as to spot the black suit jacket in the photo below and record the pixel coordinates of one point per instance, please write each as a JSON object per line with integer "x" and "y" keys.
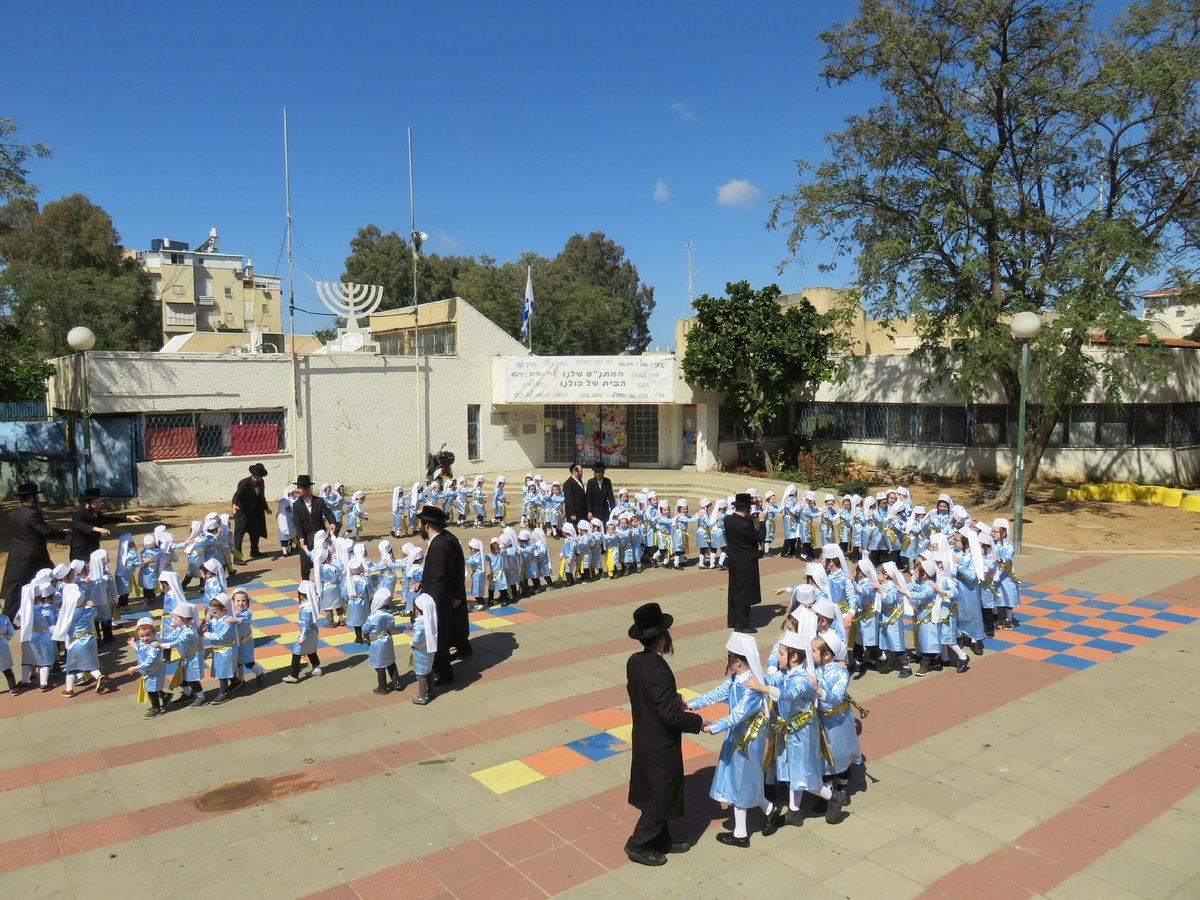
{"x": 27, "y": 552}
{"x": 84, "y": 541}
{"x": 656, "y": 765}
{"x": 309, "y": 523}
{"x": 445, "y": 573}
{"x": 575, "y": 505}
{"x": 252, "y": 508}
{"x": 741, "y": 544}
{"x": 600, "y": 499}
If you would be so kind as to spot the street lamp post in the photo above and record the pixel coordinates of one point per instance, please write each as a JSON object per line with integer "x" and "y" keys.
{"x": 418, "y": 238}
{"x": 1024, "y": 327}
{"x": 82, "y": 339}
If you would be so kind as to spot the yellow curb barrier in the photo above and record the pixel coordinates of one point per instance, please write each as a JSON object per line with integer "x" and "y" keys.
{"x": 1124, "y": 492}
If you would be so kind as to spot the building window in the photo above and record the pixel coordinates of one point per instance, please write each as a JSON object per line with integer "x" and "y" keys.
{"x": 193, "y": 435}
{"x": 560, "y": 433}
{"x": 179, "y": 315}
{"x": 436, "y": 340}
{"x": 228, "y": 293}
{"x": 473, "y": 431}
{"x": 642, "y": 430}
{"x": 989, "y": 426}
{"x": 204, "y": 288}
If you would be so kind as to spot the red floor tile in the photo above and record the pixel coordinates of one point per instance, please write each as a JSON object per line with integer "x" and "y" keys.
{"x": 577, "y": 820}
{"x": 28, "y": 851}
{"x": 560, "y": 869}
{"x": 508, "y": 884}
{"x": 131, "y": 754}
{"x": 449, "y": 741}
{"x": 189, "y": 740}
{"x": 461, "y": 863}
{"x": 164, "y": 817}
{"x": 519, "y": 842}
{"x": 97, "y": 833}
{"x": 409, "y": 880}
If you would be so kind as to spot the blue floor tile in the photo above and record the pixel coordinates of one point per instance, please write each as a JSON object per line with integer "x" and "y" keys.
{"x": 1099, "y": 604}
{"x": 1048, "y": 644}
{"x": 1076, "y": 592}
{"x": 1149, "y": 604}
{"x": 598, "y": 746}
{"x": 1127, "y": 618}
{"x": 1089, "y": 630}
{"x": 1142, "y": 630}
{"x": 1035, "y": 629}
{"x": 1050, "y": 604}
{"x": 1109, "y": 646}
{"x": 1071, "y": 662}
{"x": 263, "y": 621}
{"x": 1030, "y": 592}
{"x": 1175, "y": 617}
{"x": 1067, "y": 617}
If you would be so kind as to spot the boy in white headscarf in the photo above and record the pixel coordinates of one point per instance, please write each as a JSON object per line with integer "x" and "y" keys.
{"x": 75, "y": 626}
{"x": 102, "y": 591}
{"x": 378, "y": 630}
{"x": 424, "y": 646}
{"x": 285, "y": 520}
{"x": 306, "y": 641}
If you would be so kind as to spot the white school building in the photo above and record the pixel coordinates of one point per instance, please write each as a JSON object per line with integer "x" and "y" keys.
{"x": 180, "y": 427}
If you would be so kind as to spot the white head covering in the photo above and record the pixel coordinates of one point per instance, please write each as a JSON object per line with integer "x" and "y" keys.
{"x": 681, "y": 503}
{"x": 385, "y": 551}
{"x": 539, "y": 536}
{"x": 312, "y": 598}
{"x": 380, "y": 599}
{"x": 816, "y": 572}
{"x": 72, "y": 599}
{"x": 174, "y": 588}
{"x": 744, "y": 645}
{"x": 803, "y": 595}
{"x": 868, "y": 504}
{"x": 358, "y": 565}
{"x": 893, "y": 572}
{"x": 833, "y": 642}
{"x": 148, "y": 541}
{"x": 77, "y": 566}
{"x": 478, "y": 480}
{"x": 1001, "y": 523}
{"x": 789, "y": 491}
{"x": 973, "y": 547}
{"x": 752, "y": 491}
{"x": 929, "y": 567}
{"x": 794, "y": 640}
{"x": 144, "y": 620}
{"x": 959, "y": 514}
{"x": 501, "y": 479}
{"x": 358, "y": 495}
{"x": 222, "y": 599}
{"x": 568, "y": 529}
{"x": 475, "y": 544}
{"x": 96, "y": 564}
{"x": 810, "y": 495}
{"x": 28, "y": 593}
{"x": 985, "y": 539}
{"x": 428, "y": 610}
{"x": 524, "y": 535}
{"x": 806, "y": 630}
{"x": 825, "y": 608}
{"x": 416, "y": 555}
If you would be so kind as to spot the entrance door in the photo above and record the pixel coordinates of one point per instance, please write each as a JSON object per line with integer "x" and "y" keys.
{"x": 113, "y": 463}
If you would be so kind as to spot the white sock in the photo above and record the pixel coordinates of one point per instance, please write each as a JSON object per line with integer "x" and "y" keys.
{"x": 71, "y": 682}
{"x": 958, "y": 651}
{"x": 96, "y": 674}
{"x": 739, "y": 823}
{"x": 793, "y": 801}
{"x": 767, "y": 806}
{"x": 44, "y": 675}
{"x": 824, "y": 793}
{"x": 721, "y": 561}
{"x": 679, "y": 560}
{"x": 258, "y": 670}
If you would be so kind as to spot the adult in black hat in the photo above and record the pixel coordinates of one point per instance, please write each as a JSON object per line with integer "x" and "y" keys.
{"x": 600, "y": 499}
{"x": 444, "y": 580}
{"x": 27, "y": 551}
{"x": 249, "y": 510}
{"x": 89, "y": 524}
{"x": 659, "y": 718}
{"x": 575, "y": 505}
{"x": 743, "y": 550}
{"x": 310, "y": 515}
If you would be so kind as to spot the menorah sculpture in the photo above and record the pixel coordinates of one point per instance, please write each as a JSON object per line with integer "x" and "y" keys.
{"x": 350, "y": 301}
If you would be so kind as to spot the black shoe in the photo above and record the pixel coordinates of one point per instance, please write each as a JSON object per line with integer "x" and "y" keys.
{"x": 833, "y": 812}
{"x": 679, "y": 847}
{"x": 379, "y": 690}
{"x": 726, "y": 837}
{"x": 793, "y": 817}
{"x": 775, "y": 821}
{"x": 977, "y": 648}
{"x": 200, "y": 700}
{"x": 905, "y": 672}
{"x": 152, "y": 714}
{"x": 962, "y": 665}
{"x": 220, "y": 698}
{"x": 646, "y": 857}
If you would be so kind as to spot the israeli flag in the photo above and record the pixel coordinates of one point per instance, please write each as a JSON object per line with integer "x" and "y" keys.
{"x": 527, "y": 308}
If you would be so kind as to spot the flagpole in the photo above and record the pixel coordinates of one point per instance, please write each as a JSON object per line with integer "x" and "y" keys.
{"x": 529, "y": 280}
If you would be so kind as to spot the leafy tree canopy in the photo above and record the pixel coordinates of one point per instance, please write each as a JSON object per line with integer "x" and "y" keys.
{"x": 1018, "y": 160}
{"x": 13, "y": 156}
{"x": 758, "y": 353}
{"x": 64, "y": 266}
{"x": 588, "y": 299}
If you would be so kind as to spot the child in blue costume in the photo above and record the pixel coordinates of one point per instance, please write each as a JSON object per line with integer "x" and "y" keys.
{"x": 662, "y": 532}
{"x": 476, "y": 502}
{"x": 463, "y": 503}
{"x": 494, "y": 572}
{"x": 424, "y": 646}
{"x": 214, "y": 579}
{"x": 567, "y": 560}
{"x": 611, "y": 549}
{"x": 583, "y": 549}
{"x": 553, "y": 506}
{"x": 357, "y": 515}
{"x": 923, "y": 593}
{"x": 633, "y": 555}
{"x": 829, "y": 518}
{"x": 357, "y": 603}
{"x": 809, "y": 525}
{"x": 6, "y": 658}
{"x": 499, "y": 502}
{"x": 379, "y": 628}
{"x": 968, "y": 564}
{"x": 836, "y": 716}
{"x": 945, "y": 608}
{"x": 476, "y": 578}
{"x": 679, "y": 532}
{"x": 707, "y": 558}
{"x": 939, "y": 519}
{"x": 150, "y": 562}
{"x": 38, "y": 617}
{"x": 845, "y": 527}
{"x": 245, "y": 626}
{"x": 221, "y": 636}
{"x": 149, "y": 665}
{"x": 891, "y": 620}
{"x": 867, "y": 654}
{"x": 541, "y": 554}
{"x": 915, "y": 538}
{"x": 101, "y": 589}
{"x": 383, "y": 573}
{"x": 527, "y": 559}
{"x": 790, "y": 518}
{"x": 989, "y": 594}
{"x": 1008, "y": 595}
{"x": 184, "y": 642}
{"x": 76, "y": 626}
{"x": 770, "y": 516}
{"x": 306, "y": 640}
{"x": 739, "y": 776}
{"x": 414, "y": 575}
{"x": 716, "y": 532}
{"x": 399, "y": 511}
{"x": 127, "y": 561}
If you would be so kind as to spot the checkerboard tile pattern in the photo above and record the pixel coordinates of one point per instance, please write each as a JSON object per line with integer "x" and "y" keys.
{"x": 1077, "y": 629}
{"x": 276, "y": 611}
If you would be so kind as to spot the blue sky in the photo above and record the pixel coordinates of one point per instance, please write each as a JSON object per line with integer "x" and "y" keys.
{"x": 531, "y": 121}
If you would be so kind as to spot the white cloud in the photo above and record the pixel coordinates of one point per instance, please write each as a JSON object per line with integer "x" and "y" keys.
{"x": 684, "y": 111}
{"x": 737, "y": 193}
{"x": 662, "y": 191}
{"x": 446, "y": 241}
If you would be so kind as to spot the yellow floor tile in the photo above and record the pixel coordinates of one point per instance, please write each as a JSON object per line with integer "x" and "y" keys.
{"x": 275, "y": 663}
{"x": 287, "y": 582}
{"x": 623, "y": 733}
{"x": 337, "y": 640}
{"x": 492, "y": 622}
{"x": 507, "y": 776}
{"x": 688, "y": 694}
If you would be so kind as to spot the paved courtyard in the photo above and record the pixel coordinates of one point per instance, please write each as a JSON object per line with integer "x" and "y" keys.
{"x": 1065, "y": 763}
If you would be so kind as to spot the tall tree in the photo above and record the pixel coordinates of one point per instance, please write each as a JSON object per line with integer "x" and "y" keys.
{"x": 1014, "y": 163}
{"x": 600, "y": 261}
{"x": 14, "y": 180}
{"x": 64, "y": 266}
{"x": 759, "y": 354}
{"x": 386, "y": 259}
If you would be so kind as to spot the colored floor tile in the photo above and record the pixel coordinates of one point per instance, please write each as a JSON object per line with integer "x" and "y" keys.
{"x": 1122, "y": 617}
{"x": 1071, "y": 662}
{"x": 555, "y": 761}
{"x": 1077, "y": 592}
{"x": 1178, "y": 618}
{"x": 1110, "y": 646}
{"x": 1150, "y": 604}
{"x": 598, "y": 746}
{"x": 1089, "y": 630}
{"x": 492, "y": 622}
{"x": 623, "y": 733}
{"x": 1044, "y": 643}
{"x": 1142, "y": 630}
{"x": 507, "y": 776}
{"x": 605, "y": 719}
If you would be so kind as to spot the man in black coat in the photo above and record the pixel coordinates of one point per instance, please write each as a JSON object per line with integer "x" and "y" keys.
{"x": 27, "y": 551}
{"x": 444, "y": 580}
{"x": 659, "y": 718}
{"x": 89, "y": 523}
{"x": 743, "y": 550}
{"x": 575, "y": 497}
{"x": 310, "y": 515}
{"x": 249, "y": 510}
{"x": 600, "y": 500}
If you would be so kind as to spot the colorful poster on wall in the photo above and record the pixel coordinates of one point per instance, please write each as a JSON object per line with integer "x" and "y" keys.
{"x": 587, "y": 434}
{"x": 613, "y": 435}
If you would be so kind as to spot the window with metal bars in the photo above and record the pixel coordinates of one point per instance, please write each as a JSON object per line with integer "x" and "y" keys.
{"x": 560, "y": 435}
{"x": 194, "y": 435}
{"x": 642, "y": 431}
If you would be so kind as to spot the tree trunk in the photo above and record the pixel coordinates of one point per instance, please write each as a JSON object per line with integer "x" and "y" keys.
{"x": 1037, "y": 438}
{"x": 760, "y": 441}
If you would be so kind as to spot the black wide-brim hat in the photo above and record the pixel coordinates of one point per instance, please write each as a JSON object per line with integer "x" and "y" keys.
{"x": 258, "y": 469}
{"x": 92, "y": 493}
{"x": 434, "y": 515}
{"x": 28, "y": 489}
{"x": 598, "y": 467}
{"x": 304, "y": 481}
{"x": 742, "y": 500}
{"x": 649, "y": 621}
